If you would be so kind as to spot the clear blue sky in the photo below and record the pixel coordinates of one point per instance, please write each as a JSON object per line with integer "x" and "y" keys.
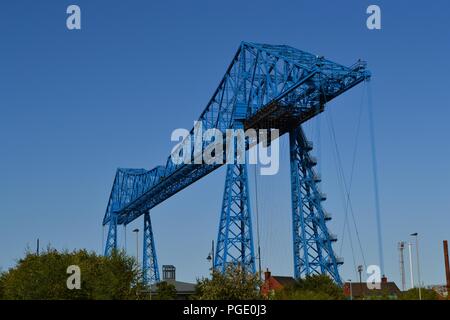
{"x": 75, "y": 105}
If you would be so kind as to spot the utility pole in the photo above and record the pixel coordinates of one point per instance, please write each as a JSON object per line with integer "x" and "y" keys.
{"x": 411, "y": 265}
{"x": 259, "y": 263}
{"x": 37, "y": 246}
{"x": 447, "y": 265}
{"x": 401, "y": 248}
{"x": 416, "y": 235}
{"x": 360, "y": 270}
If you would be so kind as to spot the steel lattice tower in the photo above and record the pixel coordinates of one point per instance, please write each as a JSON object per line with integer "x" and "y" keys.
{"x": 111, "y": 240}
{"x": 126, "y": 183}
{"x": 150, "y": 262}
{"x": 235, "y": 238}
{"x": 313, "y": 252}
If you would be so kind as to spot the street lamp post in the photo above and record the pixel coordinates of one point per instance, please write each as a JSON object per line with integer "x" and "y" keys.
{"x": 210, "y": 257}
{"x": 416, "y": 235}
{"x": 360, "y": 270}
{"x": 351, "y": 289}
{"x": 137, "y": 245}
{"x": 411, "y": 273}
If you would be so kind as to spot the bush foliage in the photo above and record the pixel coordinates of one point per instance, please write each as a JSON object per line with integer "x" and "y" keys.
{"x": 316, "y": 287}
{"x": 44, "y": 276}
{"x": 234, "y": 284}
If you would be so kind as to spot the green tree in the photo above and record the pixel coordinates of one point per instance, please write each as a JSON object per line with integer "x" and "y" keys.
{"x": 413, "y": 294}
{"x": 234, "y": 284}
{"x": 44, "y": 276}
{"x": 165, "y": 291}
{"x": 316, "y": 287}
{"x": 2, "y": 285}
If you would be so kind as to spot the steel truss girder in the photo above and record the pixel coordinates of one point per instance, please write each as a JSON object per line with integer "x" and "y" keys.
{"x": 235, "y": 236}
{"x": 150, "y": 262}
{"x": 312, "y": 241}
{"x": 265, "y": 86}
{"x": 259, "y": 77}
{"x": 130, "y": 184}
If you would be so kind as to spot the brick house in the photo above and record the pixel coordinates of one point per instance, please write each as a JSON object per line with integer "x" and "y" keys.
{"x": 359, "y": 290}
{"x": 274, "y": 283}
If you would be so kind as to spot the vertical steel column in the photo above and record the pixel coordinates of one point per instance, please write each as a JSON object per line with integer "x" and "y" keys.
{"x": 312, "y": 242}
{"x": 111, "y": 240}
{"x": 150, "y": 262}
{"x": 235, "y": 237}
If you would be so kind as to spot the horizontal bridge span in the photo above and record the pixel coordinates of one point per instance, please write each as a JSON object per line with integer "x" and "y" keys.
{"x": 264, "y": 87}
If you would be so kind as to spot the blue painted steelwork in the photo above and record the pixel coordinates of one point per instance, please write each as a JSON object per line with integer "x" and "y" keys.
{"x": 235, "y": 236}
{"x": 313, "y": 252}
{"x": 129, "y": 184}
{"x": 111, "y": 240}
{"x": 150, "y": 262}
{"x": 264, "y": 87}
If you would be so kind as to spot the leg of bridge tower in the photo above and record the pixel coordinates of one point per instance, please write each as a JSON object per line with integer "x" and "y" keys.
{"x": 235, "y": 237}
{"x": 111, "y": 240}
{"x": 312, "y": 242}
{"x": 150, "y": 262}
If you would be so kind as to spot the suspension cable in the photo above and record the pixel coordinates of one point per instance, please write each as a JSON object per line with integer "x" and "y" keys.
{"x": 375, "y": 178}
{"x": 342, "y": 186}
{"x": 257, "y": 221}
{"x": 341, "y": 176}
{"x": 348, "y": 200}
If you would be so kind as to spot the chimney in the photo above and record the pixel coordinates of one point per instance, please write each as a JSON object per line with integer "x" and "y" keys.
{"x": 266, "y": 274}
{"x": 384, "y": 279}
{"x": 447, "y": 266}
{"x": 168, "y": 272}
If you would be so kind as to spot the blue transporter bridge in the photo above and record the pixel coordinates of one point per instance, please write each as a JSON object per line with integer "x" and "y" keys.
{"x": 264, "y": 87}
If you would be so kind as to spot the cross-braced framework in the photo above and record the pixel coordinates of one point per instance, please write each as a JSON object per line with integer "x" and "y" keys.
{"x": 235, "y": 238}
{"x": 264, "y": 87}
{"x": 150, "y": 263}
{"x": 111, "y": 240}
{"x": 312, "y": 241}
